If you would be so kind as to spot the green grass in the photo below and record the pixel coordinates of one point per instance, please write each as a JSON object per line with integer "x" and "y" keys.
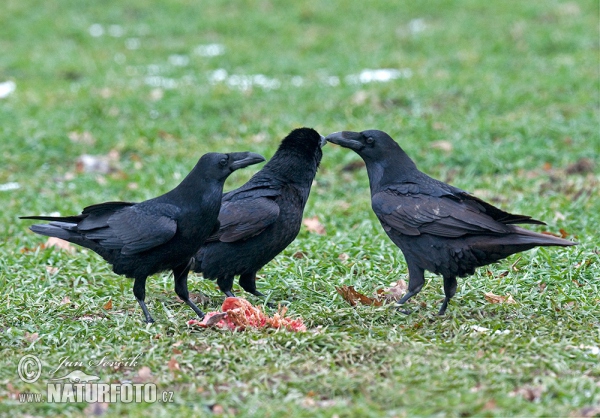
{"x": 512, "y": 86}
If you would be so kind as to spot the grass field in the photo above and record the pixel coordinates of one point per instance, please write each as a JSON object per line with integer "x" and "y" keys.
{"x": 498, "y": 98}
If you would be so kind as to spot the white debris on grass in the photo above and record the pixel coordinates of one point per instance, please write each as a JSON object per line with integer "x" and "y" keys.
{"x": 209, "y": 50}
{"x": 158, "y": 81}
{"x": 7, "y": 88}
{"x": 9, "y": 186}
{"x": 116, "y": 31}
{"x": 417, "y": 26}
{"x": 96, "y": 30}
{"x": 243, "y": 82}
{"x": 179, "y": 60}
{"x": 381, "y": 75}
{"x": 132, "y": 43}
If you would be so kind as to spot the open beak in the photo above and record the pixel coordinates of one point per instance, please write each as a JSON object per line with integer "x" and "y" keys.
{"x": 346, "y": 139}
{"x": 244, "y": 159}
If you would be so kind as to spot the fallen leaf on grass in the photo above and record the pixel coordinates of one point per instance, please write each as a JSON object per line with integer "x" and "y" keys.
{"x": 108, "y": 305}
{"x": 354, "y": 166}
{"x": 32, "y": 337}
{"x": 197, "y": 298}
{"x": 102, "y": 164}
{"x": 65, "y": 301}
{"x": 313, "y": 225}
{"x": 215, "y": 318}
{"x": 84, "y": 137}
{"x": 530, "y": 393}
{"x": 581, "y": 166}
{"x": 144, "y": 375}
{"x": 393, "y": 293}
{"x": 353, "y": 297}
{"x": 95, "y": 409}
{"x": 492, "y": 298}
{"x": 442, "y": 145}
{"x": 587, "y": 412}
{"x": 52, "y": 269}
{"x": 59, "y": 243}
{"x": 239, "y": 314}
{"x": 173, "y": 364}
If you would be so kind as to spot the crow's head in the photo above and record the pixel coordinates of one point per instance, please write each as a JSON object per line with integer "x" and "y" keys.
{"x": 219, "y": 166}
{"x": 304, "y": 142}
{"x": 386, "y": 162}
{"x": 297, "y": 158}
{"x": 371, "y": 145}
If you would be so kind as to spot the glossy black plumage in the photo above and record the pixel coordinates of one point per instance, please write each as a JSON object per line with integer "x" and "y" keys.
{"x": 438, "y": 227}
{"x": 141, "y": 239}
{"x": 261, "y": 218}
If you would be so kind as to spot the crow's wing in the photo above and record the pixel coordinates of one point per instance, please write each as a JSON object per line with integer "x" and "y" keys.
{"x": 244, "y": 218}
{"x": 134, "y": 229}
{"x": 446, "y": 215}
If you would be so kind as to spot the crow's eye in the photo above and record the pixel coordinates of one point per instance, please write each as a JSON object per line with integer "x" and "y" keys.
{"x": 223, "y": 162}
{"x": 369, "y": 140}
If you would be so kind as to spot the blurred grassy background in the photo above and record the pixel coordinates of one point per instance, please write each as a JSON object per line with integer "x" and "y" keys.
{"x": 498, "y": 98}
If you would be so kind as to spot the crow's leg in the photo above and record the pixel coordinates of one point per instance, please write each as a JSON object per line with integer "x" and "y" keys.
{"x": 248, "y": 283}
{"x": 416, "y": 280}
{"x": 139, "y": 291}
{"x": 449, "y": 291}
{"x": 180, "y": 274}
{"x": 225, "y": 284}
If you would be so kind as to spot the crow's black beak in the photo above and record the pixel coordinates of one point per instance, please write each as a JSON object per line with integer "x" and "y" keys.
{"x": 323, "y": 141}
{"x": 346, "y": 139}
{"x": 244, "y": 159}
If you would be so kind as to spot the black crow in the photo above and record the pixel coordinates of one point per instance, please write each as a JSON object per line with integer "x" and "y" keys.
{"x": 141, "y": 239}
{"x": 438, "y": 227}
{"x": 261, "y": 218}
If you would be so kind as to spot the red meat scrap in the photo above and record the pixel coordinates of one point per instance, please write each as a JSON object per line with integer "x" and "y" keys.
{"x": 239, "y": 314}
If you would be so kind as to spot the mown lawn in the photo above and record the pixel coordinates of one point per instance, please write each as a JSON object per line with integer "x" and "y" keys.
{"x": 498, "y": 98}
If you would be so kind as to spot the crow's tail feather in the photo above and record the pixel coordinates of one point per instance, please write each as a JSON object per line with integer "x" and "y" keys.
{"x": 68, "y": 232}
{"x": 525, "y": 236}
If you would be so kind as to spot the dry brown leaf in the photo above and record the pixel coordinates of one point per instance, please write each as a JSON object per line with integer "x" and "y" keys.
{"x": 66, "y": 300}
{"x": 530, "y": 393}
{"x": 492, "y": 298}
{"x": 353, "y": 297}
{"x": 173, "y": 364}
{"x": 95, "y": 409}
{"x": 587, "y": 412}
{"x": 299, "y": 255}
{"x": 108, "y": 305}
{"x": 551, "y": 234}
{"x": 442, "y": 145}
{"x": 343, "y": 257}
{"x": 52, "y": 269}
{"x": 354, "y": 166}
{"x": 102, "y": 164}
{"x": 144, "y": 375}
{"x": 393, "y": 293}
{"x": 59, "y": 243}
{"x": 217, "y": 409}
{"x": 313, "y": 225}
{"x": 32, "y": 337}
{"x": 581, "y": 166}
{"x": 213, "y": 320}
{"x": 84, "y": 137}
